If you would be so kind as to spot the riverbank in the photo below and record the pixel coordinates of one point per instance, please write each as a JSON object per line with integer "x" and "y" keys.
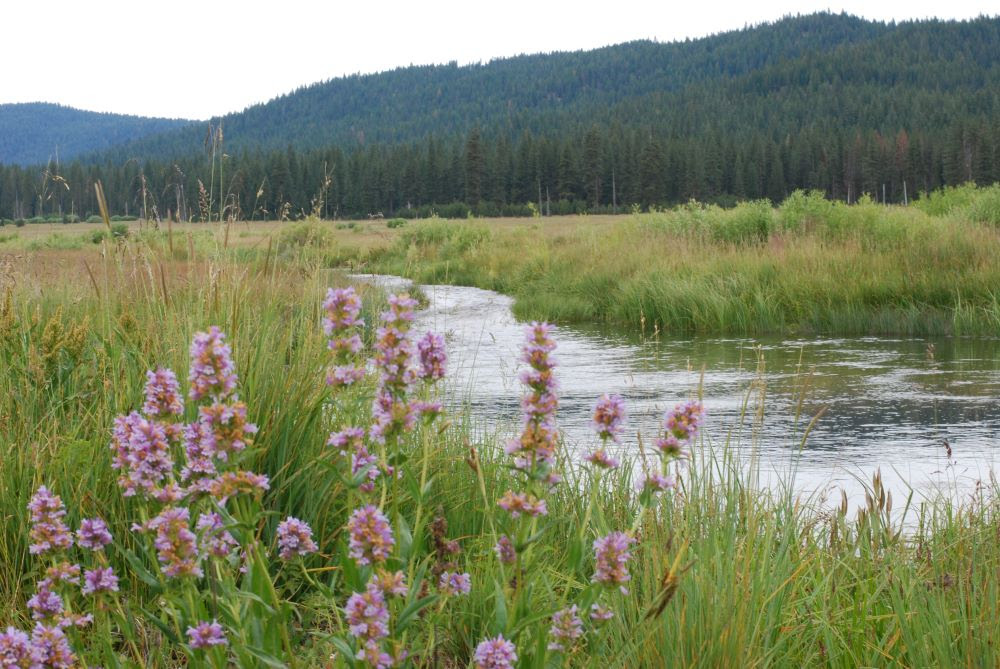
{"x": 724, "y": 572}
{"x": 808, "y": 266}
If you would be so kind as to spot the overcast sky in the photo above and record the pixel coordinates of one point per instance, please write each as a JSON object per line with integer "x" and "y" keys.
{"x": 199, "y": 58}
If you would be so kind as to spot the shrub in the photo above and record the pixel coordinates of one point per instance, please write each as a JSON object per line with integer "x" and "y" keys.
{"x": 19, "y": 223}
{"x": 94, "y": 218}
{"x": 307, "y": 234}
{"x": 395, "y": 223}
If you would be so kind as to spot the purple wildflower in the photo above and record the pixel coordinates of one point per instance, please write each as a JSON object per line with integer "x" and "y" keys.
{"x": 371, "y": 537}
{"x": 207, "y": 634}
{"x": 609, "y": 417}
{"x": 427, "y": 410}
{"x": 227, "y": 484}
{"x": 655, "y": 482}
{"x": 212, "y": 371}
{"x": 344, "y": 375}
{"x": 64, "y": 572}
{"x": 391, "y": 415}
{"x": 361, "y": 461}
{"x": 495, "y": 653}
{"x": 198, "y": 450}
{"x": 93, "y": 534}
{"x": 347, "y": 441}
{"x": 534, "y": 451}
{"x": 294, "y": 538}
{"x": 566, "y": 629}
{"x": 216, "y": 540}
{"x": 372, "y": 655}
{"x": 518, "y": 503}
{"x": 100, "y": 580}
{"x": 163, "y": 394}
{"x": 433, "y": 357}
{"x": 601, "y": 458}
{"x": 600, "y": 614}
{"x": 505, "y": 550}
{"x": 142, "y": 453}
{"x": 400, "y": 312}
{"x": 45, "y": 604}
{"x": 175, "y": 543}
{"x": 452, "y": 583}
{"x": 391, "y": 582}
{"x": 48, "y": 530}
{"x": 16, "y": 650}
{"x": 611, "y": 554}
{"x": 367, "y": 614}
{"x": 52, "y": 647}
{"x": 343, "y": 308}
{"x": 224, "y": 429}
{"x": 680, "y": 427}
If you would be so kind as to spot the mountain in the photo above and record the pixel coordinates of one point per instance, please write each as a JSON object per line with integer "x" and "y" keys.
{"x": 533, "y": 92}
{"x": 828, "y": 102}
{"x": 37, "y": 132}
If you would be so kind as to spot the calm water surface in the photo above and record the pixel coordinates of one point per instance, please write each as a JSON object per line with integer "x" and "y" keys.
{"x": 889, "y": 403}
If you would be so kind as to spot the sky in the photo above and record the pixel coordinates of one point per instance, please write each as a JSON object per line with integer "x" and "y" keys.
{"x": 201, "y": 58}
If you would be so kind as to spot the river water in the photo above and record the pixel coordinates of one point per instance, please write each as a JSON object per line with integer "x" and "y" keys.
{"x": 887, "y": 404}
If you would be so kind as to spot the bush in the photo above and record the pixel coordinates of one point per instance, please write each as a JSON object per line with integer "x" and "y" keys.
{"x": 395, "y": 223}
{"x": 94, "y": 218}
{"x": 19, "y": 223}
{"x": 6, "y": 221}
{"x": 350, "y": 225}
{"x": 308, "y": 234}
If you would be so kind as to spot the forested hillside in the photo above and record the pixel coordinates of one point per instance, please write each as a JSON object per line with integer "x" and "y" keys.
{"x": 36, "y": 132}
{"x": 827, "y": 102}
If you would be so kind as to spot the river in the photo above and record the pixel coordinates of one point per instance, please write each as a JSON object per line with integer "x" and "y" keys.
{"x": 887, "y": 403}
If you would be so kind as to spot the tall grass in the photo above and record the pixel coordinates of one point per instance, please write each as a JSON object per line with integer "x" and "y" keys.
{"x": 809, "y": 265}
{"x": 725, "y": 574}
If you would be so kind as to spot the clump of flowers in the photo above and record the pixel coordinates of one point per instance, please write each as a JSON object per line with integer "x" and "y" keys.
{"x": 93, "y": 534}
{"x": 294, "y": 538}
{"x": 534, "y": 451}
{"x": 206, "y": 634}
{"x": 566, "y": 630}
{"x": 496, "y": 653}
{"x": 433, "y": 357}
{"x": 611, "y": 554}
{"x": 371, "y": 537}
{"x": 680, "y": 426}
{"x": 48, "y": 530}
{"x": 342, "y": 323}
{"x": 452, "y": 583}
{"x": 608, "y": 422}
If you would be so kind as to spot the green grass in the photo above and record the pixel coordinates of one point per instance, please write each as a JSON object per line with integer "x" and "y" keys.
{"x": 807, "y": 266}
{"x": 751, "y": 577}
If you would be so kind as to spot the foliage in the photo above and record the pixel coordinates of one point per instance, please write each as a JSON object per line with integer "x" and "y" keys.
{"x": 724, "y": 574}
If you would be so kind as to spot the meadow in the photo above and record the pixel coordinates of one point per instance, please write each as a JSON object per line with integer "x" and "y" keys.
{"x": 718, "y": 571}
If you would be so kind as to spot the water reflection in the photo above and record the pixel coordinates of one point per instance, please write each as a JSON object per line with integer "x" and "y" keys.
{"x": 889, "y": 402}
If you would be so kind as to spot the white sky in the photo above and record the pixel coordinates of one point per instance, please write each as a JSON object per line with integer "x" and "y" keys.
{"x": 199, "y": 58}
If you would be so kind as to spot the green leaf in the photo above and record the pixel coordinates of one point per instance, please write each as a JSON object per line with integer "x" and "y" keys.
{"x": 412, "y": 609}
{"x": 499, "y": 610}
{"x": 266, "y": 658}
{"x": 144, "y": 574}
{"x": 405, "y": 537}
{"x": 160, "y": 625}
{"x": 346, "y": 652}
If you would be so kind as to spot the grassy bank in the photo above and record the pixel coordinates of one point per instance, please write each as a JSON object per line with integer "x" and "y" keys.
{"x": 809, "y": 265}
{"x": 723, "y": 574}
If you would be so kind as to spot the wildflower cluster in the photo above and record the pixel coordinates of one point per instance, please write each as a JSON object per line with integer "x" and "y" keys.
{"x": 680, "y": 426}
{"x": 341, "y": 324}
{"x": 608, "y": 422}
{"x": 68, "y": 587}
